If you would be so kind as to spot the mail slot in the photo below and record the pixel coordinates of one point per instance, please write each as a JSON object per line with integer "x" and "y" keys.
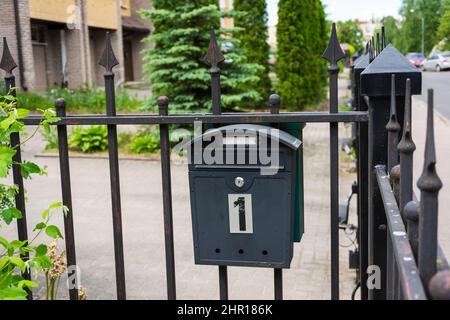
{"x": 242, "y": 191}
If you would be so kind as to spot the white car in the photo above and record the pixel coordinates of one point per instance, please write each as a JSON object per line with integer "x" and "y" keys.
{"x": 437, "y": 61}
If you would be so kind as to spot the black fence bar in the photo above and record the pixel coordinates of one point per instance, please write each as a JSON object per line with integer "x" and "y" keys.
{"x": 363, "y": 171}
{"x": 393, "y": 128}
{"x": 108, "y": 61}
{"x": 275, "y": 104}
{"x": 333, "y": 54}
{"x": 278, "y": 283}
{"x": 8, "y": 65}
{"x": 223, "y": 283}
{"x": 406, "y": 148}
{"x": 214, "y": 57}
{"x": 69, "y": 234}
{"x": 163, "y": 104}
{"x": 224, "y": 118}
{"x": 429, "y": 185}
{"x": 411, "y": 284}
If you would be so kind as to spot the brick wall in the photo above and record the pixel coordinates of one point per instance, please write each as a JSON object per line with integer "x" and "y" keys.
{"x": 8, "y": 30}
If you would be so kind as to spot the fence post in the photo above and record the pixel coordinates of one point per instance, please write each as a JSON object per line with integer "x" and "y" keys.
{"x": 376, "y": 84}
{"x": 8, "y": 64}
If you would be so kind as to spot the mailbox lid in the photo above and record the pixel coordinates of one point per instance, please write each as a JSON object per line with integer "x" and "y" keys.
{"x": 273, "y": 133}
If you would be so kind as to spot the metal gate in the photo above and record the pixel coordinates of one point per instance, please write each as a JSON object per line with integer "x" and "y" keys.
{"x": 396, "y": 233}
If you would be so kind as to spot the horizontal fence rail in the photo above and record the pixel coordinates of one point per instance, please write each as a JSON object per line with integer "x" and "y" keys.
{"x": 224, "y": 118}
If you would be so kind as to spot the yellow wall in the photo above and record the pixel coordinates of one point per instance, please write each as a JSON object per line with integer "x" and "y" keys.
{"x": 53, "y": 10}
{"x": 126, "y": 7}
{"x": 102, "y": 14}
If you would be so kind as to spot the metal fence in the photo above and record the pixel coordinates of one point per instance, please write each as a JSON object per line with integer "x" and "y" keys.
{"x": 404, "y": 280}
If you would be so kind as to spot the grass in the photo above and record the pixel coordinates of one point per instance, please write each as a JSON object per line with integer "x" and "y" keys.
{"x": 81, "y": 100}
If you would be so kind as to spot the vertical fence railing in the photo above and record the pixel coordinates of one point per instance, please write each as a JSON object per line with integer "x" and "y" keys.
{"x": 275, "y": 103}
{"x": 213, "y": 58}
{"x": 8, "y": 64}
{"x": 109, "y": 61}
{"x": 66, "y": 189}
{"x": 163, "y": 105}
{"x": 429, "y": 185}
{"x": 334, "y": 54}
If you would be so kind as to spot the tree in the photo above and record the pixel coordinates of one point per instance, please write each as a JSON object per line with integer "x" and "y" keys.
{"x": 413, "y": 11}
{"x": 302, "y": 38}
{"x": 176, "y": 66}
{"x": 391, "y": 30}
{"x": 444, "y": 26}
{"x": 254, "y": 40}
{"x": 351, "y": 33}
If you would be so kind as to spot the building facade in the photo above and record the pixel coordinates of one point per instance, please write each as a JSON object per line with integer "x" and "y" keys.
{"x": 59, "y": 42}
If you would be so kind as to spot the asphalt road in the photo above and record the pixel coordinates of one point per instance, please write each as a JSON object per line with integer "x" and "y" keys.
{"x": 440, "y": 82}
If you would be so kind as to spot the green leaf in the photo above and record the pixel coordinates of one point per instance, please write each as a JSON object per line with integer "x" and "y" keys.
{"x": 42, "y": 261}
{"x": 27, "y": 283}
{"x": 13, "y": 294}
{"x": 4, "y": 243}
{"x": 39, "y": 226}
{"x": 6, "y": 155}
{"x": 55, "y": 205}
{"x": 3, "y": 263}
{"x": 22, "y": 113}
{"x": 41, "y": 250}
{"x": 18, "y": 262}
{"x": 9, "y": 214}
{"x": 18, "y": 244}
{"x": 28, "y": 168}
{"x": 53, "y": 232}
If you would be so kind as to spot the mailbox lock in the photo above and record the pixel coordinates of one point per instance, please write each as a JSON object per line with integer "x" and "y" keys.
{"x": 239, "y": 182}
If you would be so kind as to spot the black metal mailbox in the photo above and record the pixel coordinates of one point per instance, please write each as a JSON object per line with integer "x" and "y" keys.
{"x": 242, "y": 206}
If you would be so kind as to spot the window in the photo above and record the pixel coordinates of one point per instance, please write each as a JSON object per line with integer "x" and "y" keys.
{"x": 38, "y": 34}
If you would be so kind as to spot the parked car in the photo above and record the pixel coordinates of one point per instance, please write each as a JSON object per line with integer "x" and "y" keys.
{"x": 437, "y": 61}
{"x": 415, "y": 58}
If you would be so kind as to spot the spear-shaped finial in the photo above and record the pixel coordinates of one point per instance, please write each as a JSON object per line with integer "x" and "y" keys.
{"x": 108, "y": 59}
{"x": 7, "y": 63}
{"x": 334, "y": 52}
{"x": 214, "y": 55}
{"x": 407, "y": 145}
{"x": 393, "y": 128}
{"x": 393, "y": 124}
{"x": 429, "y": 184}
{"x": 429, "y": 181}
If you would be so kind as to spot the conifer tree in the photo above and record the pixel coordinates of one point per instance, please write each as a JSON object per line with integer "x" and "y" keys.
{"x": 254, "y": 21}
{"x": 301, "y": 40}
{"x": 176, "y": 66}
